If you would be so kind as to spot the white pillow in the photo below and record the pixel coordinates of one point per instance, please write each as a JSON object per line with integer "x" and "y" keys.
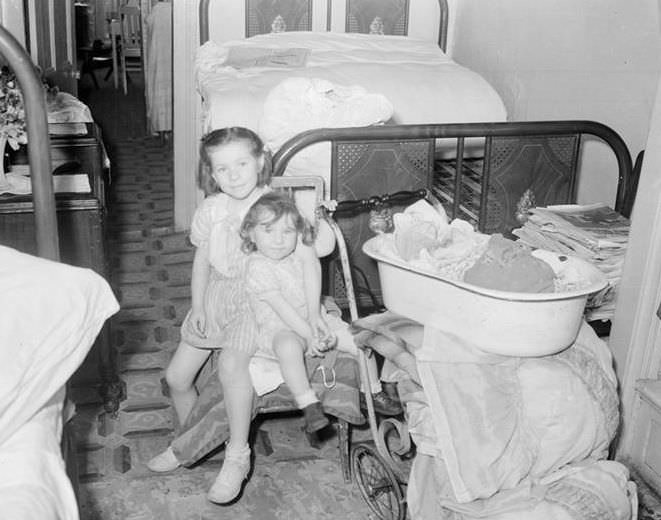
{"x": 50, "y": 314}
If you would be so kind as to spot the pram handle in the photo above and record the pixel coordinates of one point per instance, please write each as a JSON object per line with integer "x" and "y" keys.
{"x": 348, "y": 207}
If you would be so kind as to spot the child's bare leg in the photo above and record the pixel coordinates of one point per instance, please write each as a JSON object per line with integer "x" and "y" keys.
{"x": 238, "y": 393}
{"x": 180, "y": 376}
{"x": 289, "y": 349}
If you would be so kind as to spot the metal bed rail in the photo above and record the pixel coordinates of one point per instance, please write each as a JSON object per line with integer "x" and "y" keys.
{"x": 463, "y": 131}
{"x": 43, "y": 194}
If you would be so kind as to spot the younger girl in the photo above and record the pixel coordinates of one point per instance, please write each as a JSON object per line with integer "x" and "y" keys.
{"x": 234, "y": 172}
{"x": 276, "y": 282}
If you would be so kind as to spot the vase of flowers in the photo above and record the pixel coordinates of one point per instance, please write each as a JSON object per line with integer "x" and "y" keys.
{"x": 12, "y": 118}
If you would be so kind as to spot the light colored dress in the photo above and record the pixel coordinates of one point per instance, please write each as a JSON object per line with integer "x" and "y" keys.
{"x": 265, "y": 276}
{"x": 229, "y": 319}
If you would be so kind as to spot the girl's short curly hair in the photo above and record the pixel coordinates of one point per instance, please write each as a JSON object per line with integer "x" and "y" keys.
{"x": 276, "y": 205}
{"x": 223, "y": 136}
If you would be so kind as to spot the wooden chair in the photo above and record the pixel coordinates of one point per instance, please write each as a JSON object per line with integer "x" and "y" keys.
{"x": 130, "y": 50}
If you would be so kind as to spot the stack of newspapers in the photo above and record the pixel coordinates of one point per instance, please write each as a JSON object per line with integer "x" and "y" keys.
{"x": 593, "y": 232}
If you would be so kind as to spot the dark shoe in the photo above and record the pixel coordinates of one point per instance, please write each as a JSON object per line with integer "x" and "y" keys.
{"x": 314, "y": 416}
{"x": 383, "y": 404}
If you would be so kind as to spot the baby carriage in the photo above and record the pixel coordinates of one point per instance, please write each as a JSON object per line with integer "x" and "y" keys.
{"x": 475, "y": 426}
{"x": 380, "y": 468}
{"x": 454, "y": 404}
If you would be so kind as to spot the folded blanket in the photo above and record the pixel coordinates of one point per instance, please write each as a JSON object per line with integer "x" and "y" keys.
{"x": 392, "y": 336}
{"x": 207, "y": 427}
{"x": 492, "y": 428}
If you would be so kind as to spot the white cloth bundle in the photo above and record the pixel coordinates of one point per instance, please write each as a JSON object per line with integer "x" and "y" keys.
{"x": 299, "y": 103}
{"x": 505, "y": 435}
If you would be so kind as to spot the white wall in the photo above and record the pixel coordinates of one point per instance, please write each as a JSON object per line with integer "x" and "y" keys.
{"x": 593, "y": 59}
{"x": 11, "y": 18}
{"x": 636, "y": 331}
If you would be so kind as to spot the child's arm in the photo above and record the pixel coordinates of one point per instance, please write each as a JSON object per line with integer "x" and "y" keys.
{"x": 324, "y": 243}
{"x": 312, "y": 281}
{"x": 199, "y": 280}
{"x": 293, "y": 319}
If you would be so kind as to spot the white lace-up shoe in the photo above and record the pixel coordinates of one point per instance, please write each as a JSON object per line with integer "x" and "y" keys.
{"x": 163, "y": 462}
{"x": 228, "y": 483}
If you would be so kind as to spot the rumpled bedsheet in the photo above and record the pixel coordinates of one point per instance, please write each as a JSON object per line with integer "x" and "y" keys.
{"x": 298, "y": 104}
{"x": 65, "y": 108}
{"x": 497, "y": 436}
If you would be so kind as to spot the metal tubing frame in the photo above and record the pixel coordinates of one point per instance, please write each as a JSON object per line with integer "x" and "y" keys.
{"x": 459, "y": 130}
{"x": 43, "y": 194}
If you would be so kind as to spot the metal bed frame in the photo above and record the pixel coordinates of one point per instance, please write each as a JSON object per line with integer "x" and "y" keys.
{"x": 379, "y": 469}
{"x": 491, "y": 184}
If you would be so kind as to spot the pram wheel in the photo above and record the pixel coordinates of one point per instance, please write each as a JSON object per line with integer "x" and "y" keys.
{"x": 377, "y": 483}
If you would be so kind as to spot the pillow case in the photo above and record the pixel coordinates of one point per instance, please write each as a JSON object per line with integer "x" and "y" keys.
{"x": 50, "y": 314}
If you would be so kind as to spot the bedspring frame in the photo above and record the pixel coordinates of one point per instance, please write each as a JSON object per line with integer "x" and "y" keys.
{"x": 486, "y": 173}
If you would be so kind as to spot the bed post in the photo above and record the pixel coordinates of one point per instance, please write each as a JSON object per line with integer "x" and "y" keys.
{"x": 443, "y": 25}
{"x": 43, "y": 197}
{"x": 204, "y": 21}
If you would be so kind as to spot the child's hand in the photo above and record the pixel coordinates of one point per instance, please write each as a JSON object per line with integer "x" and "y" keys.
{"x": 328, "y": 342}
{"x": 314, "y": 347}
{"x": 198, "y": 320}
{"x": 325, "y": 338}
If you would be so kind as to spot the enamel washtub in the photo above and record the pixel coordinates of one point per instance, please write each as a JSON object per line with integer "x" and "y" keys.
{"x": 500, "y": 322}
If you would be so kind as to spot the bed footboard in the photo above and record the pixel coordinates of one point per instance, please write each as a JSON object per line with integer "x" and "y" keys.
{"x": 485, "y": 173}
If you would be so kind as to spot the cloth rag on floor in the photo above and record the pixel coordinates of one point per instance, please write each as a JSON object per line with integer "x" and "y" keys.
{"x": 499, "y": 435}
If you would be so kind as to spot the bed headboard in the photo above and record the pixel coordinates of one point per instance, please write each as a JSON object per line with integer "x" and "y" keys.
{"x": 246, "y": 18}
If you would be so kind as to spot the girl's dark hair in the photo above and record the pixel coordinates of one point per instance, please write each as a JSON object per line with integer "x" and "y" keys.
{"x": 277, "y": 205}
{"x": 223, "y": 136}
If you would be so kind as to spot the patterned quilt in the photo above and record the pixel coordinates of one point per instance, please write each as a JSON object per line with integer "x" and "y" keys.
{"x": 335, "y": 378}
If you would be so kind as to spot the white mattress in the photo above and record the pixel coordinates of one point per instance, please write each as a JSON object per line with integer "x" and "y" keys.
{"x": 421, "y": 82}
{"x": 50, "y": 314}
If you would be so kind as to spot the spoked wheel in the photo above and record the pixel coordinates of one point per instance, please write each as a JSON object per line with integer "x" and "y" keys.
{"x": 377, "y": 483}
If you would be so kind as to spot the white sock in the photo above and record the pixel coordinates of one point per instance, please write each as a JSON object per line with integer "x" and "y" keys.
{"x": 305, "y": 399}
{"x": 237, "y": 452}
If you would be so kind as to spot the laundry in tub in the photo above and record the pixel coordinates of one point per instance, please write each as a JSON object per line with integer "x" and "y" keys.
{"x": 424, "y": 239}
{"x": 431, "y": 289}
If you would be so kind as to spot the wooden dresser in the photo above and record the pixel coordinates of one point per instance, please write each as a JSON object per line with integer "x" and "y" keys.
{"x": 80, "y": 218}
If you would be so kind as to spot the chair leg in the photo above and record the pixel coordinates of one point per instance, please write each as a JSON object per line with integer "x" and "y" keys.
{"x": 110, "y": 71}
{"x": 343, "y": 446}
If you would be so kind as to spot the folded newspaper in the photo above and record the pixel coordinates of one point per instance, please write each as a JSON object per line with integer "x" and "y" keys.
{"x": 594, "y": 232}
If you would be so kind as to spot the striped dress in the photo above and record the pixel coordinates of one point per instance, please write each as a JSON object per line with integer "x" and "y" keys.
{"x": 230, "y": 322}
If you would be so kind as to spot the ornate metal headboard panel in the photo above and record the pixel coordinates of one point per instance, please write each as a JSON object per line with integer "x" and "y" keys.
{"x": 362, "y": 16}
{"x": 266, "y": 16}
{"x": 378, "y": 17}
